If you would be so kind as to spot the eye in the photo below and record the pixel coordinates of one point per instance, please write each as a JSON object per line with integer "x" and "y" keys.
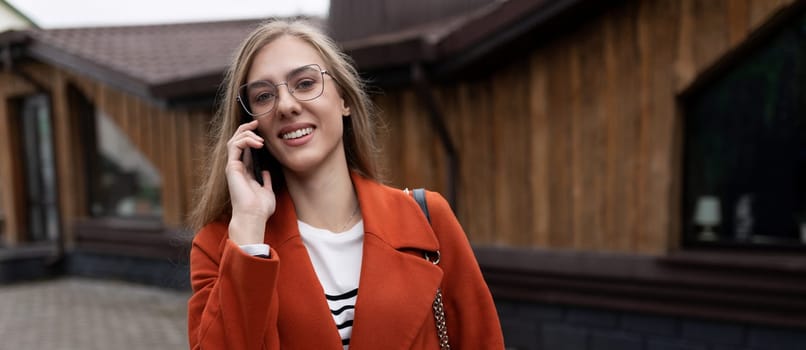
{"x": 305, "y": 84}
{"x": 263, "y": 97}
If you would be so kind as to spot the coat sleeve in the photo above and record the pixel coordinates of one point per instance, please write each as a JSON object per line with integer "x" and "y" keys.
{"x": 469, "y": 309}
{"x": 233, "y": 292}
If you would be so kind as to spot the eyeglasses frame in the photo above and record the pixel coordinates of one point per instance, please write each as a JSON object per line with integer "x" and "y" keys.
{"x": 288, "y": 88}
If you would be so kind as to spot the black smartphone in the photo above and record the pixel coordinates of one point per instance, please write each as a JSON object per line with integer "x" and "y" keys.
{"x": 260, "y": 156}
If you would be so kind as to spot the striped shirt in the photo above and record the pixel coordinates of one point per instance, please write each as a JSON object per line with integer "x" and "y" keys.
{"x": 336, "y": 258}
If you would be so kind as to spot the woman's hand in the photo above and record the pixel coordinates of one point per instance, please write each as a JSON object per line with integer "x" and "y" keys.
{"x": 252, "y": 204}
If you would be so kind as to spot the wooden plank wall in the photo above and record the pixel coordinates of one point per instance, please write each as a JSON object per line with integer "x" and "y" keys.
{"x": 12, "y": 185}
{"x": 171, "y": 139}
{"x": 576, "y": 145}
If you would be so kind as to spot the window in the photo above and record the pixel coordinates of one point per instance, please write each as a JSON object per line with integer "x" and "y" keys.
{"x": 40, "y": 168}
{"x": 745, "y": 148}
{"x": 126, "y": 183}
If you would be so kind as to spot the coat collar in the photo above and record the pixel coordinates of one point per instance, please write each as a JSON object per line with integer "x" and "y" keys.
{"x": 389, "y": 214}
{"x": 397, "y": 285}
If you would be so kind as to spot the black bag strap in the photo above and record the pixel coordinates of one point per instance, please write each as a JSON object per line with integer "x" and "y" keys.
{"x": 419, "y": 196}
{"x": 439, "y": 309}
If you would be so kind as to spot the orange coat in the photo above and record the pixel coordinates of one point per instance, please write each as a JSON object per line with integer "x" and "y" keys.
{"x": 245, "y": 302}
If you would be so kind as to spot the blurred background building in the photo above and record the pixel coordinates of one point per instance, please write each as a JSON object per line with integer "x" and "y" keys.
{"x": 632, "y": 174}
{"x": 11, "y": 18}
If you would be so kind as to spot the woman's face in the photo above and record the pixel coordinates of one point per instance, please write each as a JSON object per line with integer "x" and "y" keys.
{"x": 304, "y": 136}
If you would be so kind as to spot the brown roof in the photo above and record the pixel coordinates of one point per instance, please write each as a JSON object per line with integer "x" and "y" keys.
{"x": 160, "y": 61}
{"x": 181, "y": 62}
{"x": 477, "y": 39}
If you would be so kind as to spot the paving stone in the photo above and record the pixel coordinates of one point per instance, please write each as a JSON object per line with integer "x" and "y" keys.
{"x": 86, "y": 314}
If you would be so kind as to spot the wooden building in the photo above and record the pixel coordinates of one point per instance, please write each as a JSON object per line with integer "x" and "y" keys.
{"x": 101, "y": 132}
{"x": 632, "y": 173}
{"x": 573, "y": 138}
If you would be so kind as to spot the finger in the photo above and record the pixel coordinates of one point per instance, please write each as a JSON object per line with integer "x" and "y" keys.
{"x": 245, "y": 133}
{"x": 266, "y": 180}
{"x": 235, "y": 148}
{"x": 247, "y": 161}
{"x": 250, "y": 133}
{"x": 233, "y": 152}
{"x": 247, "y": 126}
{"x": 247, "y": 140}
{"x": 238, "y": 136}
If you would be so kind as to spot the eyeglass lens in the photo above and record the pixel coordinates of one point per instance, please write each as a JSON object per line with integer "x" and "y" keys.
{"x": 305, "y": 83}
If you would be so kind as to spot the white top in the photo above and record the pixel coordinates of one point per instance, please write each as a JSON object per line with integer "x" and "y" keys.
{"x": 256, "y": 249}
{"x": 336, "y": 258}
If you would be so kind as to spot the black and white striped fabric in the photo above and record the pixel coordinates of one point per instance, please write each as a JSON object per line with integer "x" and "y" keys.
{"x": 342, "y": 307}
{"x": 336, "y": 258}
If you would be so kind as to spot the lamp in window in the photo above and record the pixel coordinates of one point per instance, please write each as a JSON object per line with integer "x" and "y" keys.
{"x": 707, "y": 215}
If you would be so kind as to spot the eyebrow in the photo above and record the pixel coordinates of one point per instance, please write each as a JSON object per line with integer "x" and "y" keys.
{"x": 300, "y": 69}
{"x": 292, "y": 72}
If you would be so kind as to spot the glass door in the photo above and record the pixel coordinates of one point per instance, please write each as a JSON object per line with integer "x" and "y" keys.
{"x": 40, "y": 170}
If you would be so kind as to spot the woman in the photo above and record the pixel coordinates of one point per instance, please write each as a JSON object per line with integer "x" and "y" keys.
{"x": 320, "y": 255}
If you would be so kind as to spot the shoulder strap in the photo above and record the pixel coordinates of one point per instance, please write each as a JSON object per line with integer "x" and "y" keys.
{"x": 439, "y": 309}
{"x": 419, "y": 196}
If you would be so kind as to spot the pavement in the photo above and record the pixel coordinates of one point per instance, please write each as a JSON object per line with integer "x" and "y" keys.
{"x": 74, "y": 313}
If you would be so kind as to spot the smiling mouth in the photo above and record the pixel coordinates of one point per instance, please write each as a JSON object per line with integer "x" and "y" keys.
{"x": 297, "y": 133}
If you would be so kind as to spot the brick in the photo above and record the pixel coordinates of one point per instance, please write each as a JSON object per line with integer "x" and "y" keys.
{"x": 673, "y": 344}
{"x": 728, "y": 347}
{"x": 506, "y": 309}
{"x": 592, "y": 318}
{"x": 77, "y": 313}
{"x": 540, "y": 312}
{"x": 520, "y": 335}
{"x": 561, "y": 337}
{"x": 713, "y": 332}
{"x": 655, "y": 325}
{"x": 776, "y": 339}
{"x": 615, "y": 340}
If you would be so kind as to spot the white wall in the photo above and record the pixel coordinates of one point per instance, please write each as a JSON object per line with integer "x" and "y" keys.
{"x": 10, "y": 19}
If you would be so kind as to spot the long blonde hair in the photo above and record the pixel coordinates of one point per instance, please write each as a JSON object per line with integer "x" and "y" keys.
{"x": 212, "y": 198}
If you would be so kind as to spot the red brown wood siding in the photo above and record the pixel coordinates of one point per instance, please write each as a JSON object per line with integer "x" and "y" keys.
{"x": 576, "y": 144}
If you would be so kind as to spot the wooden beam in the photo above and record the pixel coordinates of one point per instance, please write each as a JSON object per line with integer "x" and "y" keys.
{"x": 765, "y": 289}
{"x": 67, "y": 144}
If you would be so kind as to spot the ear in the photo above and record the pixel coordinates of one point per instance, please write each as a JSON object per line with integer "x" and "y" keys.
{"x": 345, "y": 109}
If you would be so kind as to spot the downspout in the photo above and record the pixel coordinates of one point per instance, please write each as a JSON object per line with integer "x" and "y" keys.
{"x": 424, "y": 93}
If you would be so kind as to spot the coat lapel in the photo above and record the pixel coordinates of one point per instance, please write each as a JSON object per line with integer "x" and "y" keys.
{"x": 304, "y": 321}
{"x": 397, "y": 285}
{"x": 396, "y": 288}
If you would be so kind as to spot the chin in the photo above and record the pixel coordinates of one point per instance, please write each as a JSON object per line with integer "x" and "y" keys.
{"x": 302, "y": 164}
{"x": 306, "y": 161}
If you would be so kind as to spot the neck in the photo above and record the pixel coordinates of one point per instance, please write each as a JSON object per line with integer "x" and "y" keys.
{"x": 325, "y": 199}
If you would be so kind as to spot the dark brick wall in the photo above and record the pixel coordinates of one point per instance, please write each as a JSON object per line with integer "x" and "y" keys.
{"x": 18, "y": 270}
{"x": 30, "y": 262}
{"x": 33, "y": 263}
{"x": 157, "y": 272}
{"x": 529, "y": 326}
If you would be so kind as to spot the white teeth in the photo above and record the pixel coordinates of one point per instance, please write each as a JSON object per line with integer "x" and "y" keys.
{"x": 296, "y": 133}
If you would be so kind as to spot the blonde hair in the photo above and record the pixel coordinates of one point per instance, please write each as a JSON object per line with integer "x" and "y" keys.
{"x": 212, "y": 198}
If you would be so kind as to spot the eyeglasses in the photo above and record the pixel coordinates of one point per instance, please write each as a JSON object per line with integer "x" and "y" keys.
{"x": 304, "y": 83}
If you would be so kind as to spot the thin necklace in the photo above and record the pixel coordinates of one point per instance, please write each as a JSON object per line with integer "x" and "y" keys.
{"x": 349, "y": 219}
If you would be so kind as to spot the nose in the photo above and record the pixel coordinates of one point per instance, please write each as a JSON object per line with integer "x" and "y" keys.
{"x": 287, "y": 104}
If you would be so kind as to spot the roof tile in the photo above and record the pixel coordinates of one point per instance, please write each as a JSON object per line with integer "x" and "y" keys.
{"x": 153, "y": 54}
